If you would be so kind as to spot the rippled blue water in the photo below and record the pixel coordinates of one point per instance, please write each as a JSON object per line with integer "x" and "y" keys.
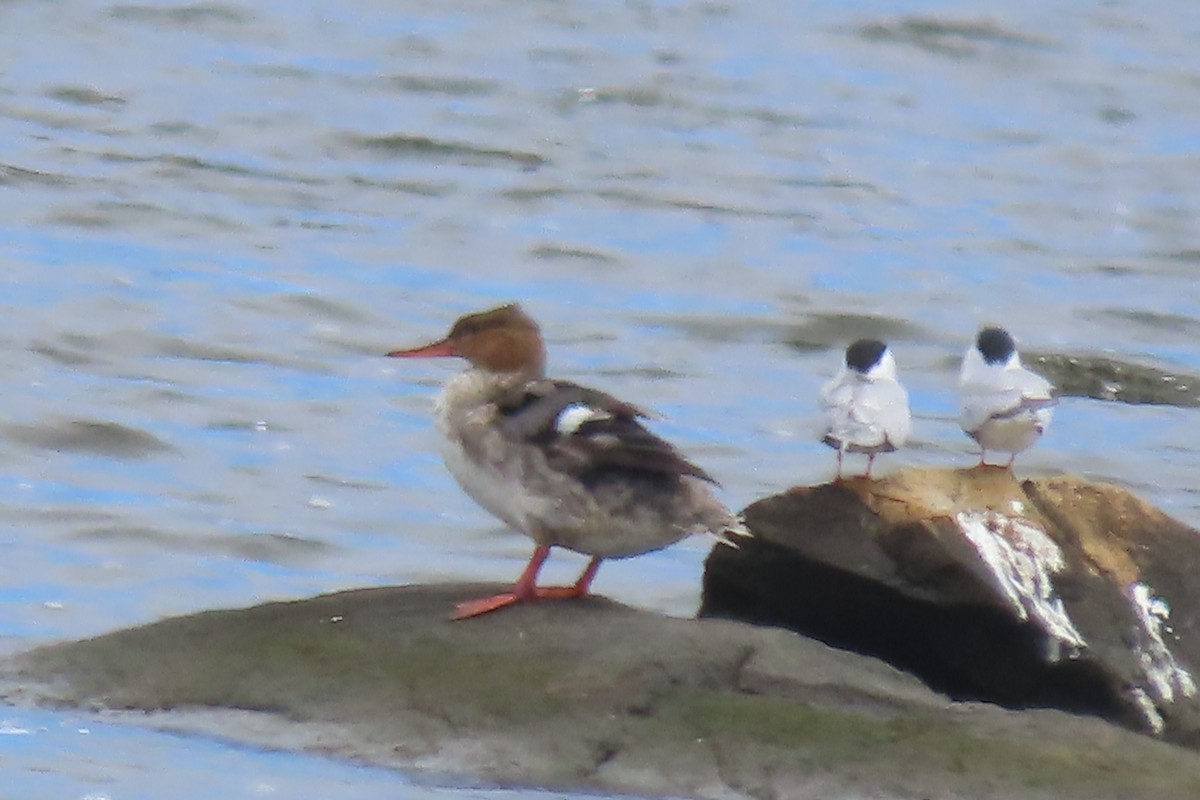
{"x": 215, "y": 216}
{"x": 51, "y": 756}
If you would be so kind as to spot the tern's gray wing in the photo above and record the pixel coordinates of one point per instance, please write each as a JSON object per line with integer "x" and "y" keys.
{"x": 893, "y": 413}
{"x": 1037, "y": 396}
{"x": 1022, "y": 392}
{"x": 884, "y": 406}
{"x": 1033, "y": 387}
{"x": 867, "y": 415}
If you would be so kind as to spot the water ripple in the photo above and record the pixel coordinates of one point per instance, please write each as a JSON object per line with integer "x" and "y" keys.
{"x": 425, "y": 147}
{"x": 952, "y": 37}
{"x": 89, "y": 436}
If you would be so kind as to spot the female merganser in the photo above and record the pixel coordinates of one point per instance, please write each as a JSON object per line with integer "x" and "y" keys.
{"x": 566, "y": 465}
{"x": 1004, "y": 406}
{"x": 866, "y": 408}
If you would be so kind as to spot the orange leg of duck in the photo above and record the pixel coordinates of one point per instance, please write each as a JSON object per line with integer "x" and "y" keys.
{"x": 526, "y": 588}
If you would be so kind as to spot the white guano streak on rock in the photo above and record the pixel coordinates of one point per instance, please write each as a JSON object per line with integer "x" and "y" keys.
{"x": 1165, "y": 678}
{"x": 1022, "y": 560}
{"x": 1148, "y": 708}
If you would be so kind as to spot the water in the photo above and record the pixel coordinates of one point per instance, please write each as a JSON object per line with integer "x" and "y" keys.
{"x": 105, "y": 761}
{"x": 214, "y": 218}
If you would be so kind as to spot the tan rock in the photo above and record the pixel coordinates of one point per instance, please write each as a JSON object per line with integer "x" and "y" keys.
{"x": 1052, "y": 591}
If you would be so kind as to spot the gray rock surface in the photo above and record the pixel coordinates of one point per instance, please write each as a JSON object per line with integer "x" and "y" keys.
{"x": 591, "y": 694}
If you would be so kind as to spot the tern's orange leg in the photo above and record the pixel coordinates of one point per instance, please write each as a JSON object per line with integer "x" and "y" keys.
{"x": 526, "y": 588}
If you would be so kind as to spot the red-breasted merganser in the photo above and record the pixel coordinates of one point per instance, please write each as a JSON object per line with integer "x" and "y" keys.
{"x": 566, "y": 465}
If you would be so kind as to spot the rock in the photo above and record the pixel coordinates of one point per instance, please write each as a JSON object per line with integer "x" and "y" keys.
{"x": 592, "y": 695}
{"x": 1106, "y": 378}
{"x": 1051, "y": 592}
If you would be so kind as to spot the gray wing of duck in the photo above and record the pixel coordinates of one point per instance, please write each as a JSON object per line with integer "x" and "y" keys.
{"x": 588, "y": 433}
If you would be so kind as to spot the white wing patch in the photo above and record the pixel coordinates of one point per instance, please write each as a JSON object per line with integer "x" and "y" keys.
{"x": 572, "y": 417}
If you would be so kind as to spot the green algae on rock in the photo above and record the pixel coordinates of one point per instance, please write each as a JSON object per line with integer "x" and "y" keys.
{"x": 1103, "y": 378}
